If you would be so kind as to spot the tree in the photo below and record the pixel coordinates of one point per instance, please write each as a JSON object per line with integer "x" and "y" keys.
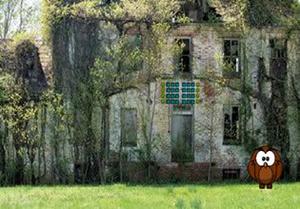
{"x": 20, "y": 107}
{"x": 16, "y": 16}
{"x": 244, "y": 13}
{"x": 130, "y": 64}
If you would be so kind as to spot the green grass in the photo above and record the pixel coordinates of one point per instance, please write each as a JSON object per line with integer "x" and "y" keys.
{"x": 119, "y": 196}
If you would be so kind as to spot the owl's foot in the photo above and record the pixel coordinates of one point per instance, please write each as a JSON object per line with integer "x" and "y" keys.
{"x": 261, "y": 186}
{"x": 269, "y": 186}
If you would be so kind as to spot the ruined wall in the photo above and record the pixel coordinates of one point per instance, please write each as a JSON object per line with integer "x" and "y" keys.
{"x": 207, "y": 45}
{"x": 75, "y": 44}
{"x": 45, "y": 57}
{"x": 294, "y": 102}
{"x": 66, "y": 155}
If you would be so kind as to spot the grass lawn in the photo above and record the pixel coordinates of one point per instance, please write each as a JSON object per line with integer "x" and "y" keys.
{"x": 121, "y": 196}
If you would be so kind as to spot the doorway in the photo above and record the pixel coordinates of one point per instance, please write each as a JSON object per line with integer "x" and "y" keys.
{"x": 182, "y": 136}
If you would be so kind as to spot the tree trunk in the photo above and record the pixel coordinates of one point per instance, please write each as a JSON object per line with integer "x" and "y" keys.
{"x": 21, "y": 15}
{"x": 150, "y": 140}
{"x": 2, "y": 154}
{"x": 19, "y": 175}
{"x": 31, "y": 155}
{"x": 105, "y": 139}
{"x": 211, "y": 130}
{"x": 41, "y": 150}
{"x": 121, "y": 152}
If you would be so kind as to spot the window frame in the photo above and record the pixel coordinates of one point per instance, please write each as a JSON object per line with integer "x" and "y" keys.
{"x": 232, "y": 73}
{"x": 238, "y": 139}
{"x": 126, "y": 143}
{"x": 278, "y": 48}
{"x": 177, "y": 59}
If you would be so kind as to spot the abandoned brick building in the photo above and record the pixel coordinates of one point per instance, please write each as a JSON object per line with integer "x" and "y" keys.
{"x": 182, "y": 119}
{"x": 192, "y": 135}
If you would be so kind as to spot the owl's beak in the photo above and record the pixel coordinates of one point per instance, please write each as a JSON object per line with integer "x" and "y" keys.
{"x": 265, "y": 164}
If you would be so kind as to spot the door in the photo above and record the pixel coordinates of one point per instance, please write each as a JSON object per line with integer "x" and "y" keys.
{"x": 181, "y": 137}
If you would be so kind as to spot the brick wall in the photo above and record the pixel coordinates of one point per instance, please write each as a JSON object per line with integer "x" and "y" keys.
{"x": 207, "y": 45}
{"x": 45, "y": 57}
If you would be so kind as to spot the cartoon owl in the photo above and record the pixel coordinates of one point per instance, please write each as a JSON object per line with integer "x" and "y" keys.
{"x": 265, "y": 166}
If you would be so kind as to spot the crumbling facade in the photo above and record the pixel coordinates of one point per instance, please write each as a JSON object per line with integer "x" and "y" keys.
{"x": 227, "y": 93}
{"x": 220, "y": 138}
{"x": 215, "y": 133}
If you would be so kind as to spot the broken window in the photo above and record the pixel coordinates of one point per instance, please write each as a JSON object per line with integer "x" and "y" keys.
{"x": 181, "y": 136}
{"x": 231, "y": 58}
{"x": 278, "y": 60}
{"x": 184, "y": 59}
{"x": 129, "y": 126}
{"x": 231, "y": 125}
{"x": 132, "y": 48}
{"x": 278, "y": 48}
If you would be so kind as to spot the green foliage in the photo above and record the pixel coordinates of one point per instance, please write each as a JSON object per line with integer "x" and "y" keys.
{"x": 5, "y": 81}
{"x": 234, "y": 13}
{"x": 293, "y": 21}
{"x": 271, "y": 13}
{"x": 183, "y": 19}
{"x": 8, "y": 51}
{"x": 20, "y": 115}
{"x": 213, "y": 17}
{"x": 145, "y": 152}
{"x": 115, "y": 70}
{"x": 17, "y": 114}
{"x": 54, "y": 11}
{"x": 20, "y": 37}
{"x": 242, "y": 14}
{"x": 134, "y": 58}
{"x": 121, "y": 65}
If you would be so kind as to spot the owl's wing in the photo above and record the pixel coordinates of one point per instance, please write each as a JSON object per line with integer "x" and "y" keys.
{"x": 279, "y": 168}
{"x": 251, "y": 169}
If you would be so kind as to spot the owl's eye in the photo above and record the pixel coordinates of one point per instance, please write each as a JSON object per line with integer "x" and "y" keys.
{"x": 270, "y": 158}
{"x": 259, "y": 158}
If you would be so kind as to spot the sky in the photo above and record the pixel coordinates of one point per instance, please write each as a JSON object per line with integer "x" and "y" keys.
{"x": 37, "y": 3}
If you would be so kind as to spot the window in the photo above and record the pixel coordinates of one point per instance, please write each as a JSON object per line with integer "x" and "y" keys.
{"x": 278, "y": 62}
{"x": 278, "y": 48}
{"x": 129, "y": 127}
{"x": 231, "y": 58}
{"x": 230, "y": 174}
{"x": 231, "y": 125}
{"x": 184, "y": 61}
